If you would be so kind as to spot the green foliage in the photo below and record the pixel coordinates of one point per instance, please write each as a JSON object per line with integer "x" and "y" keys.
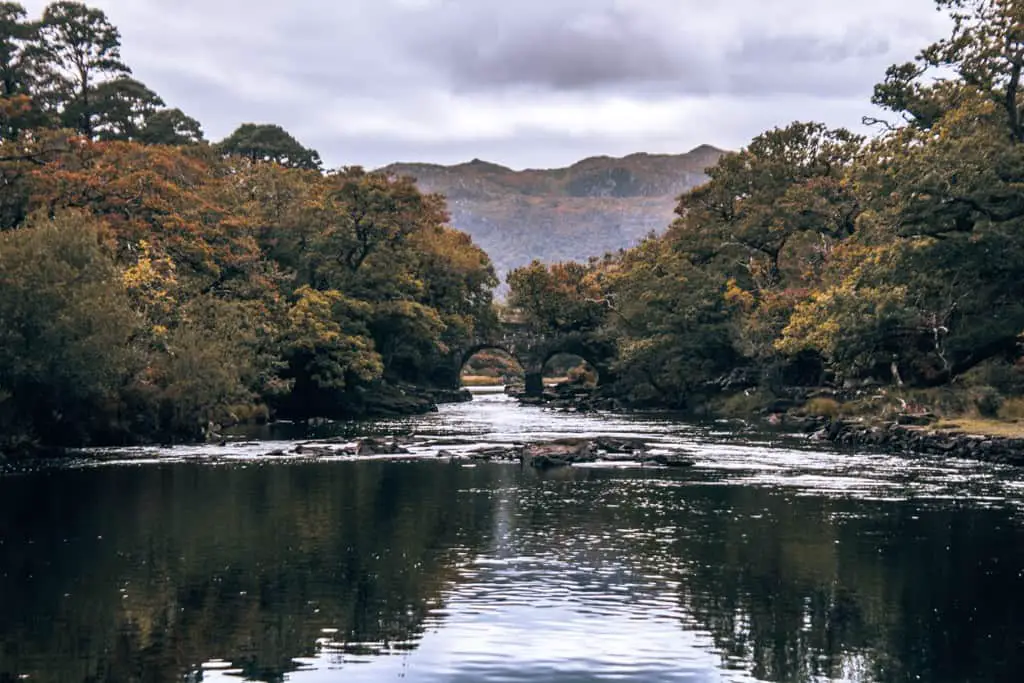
{"x": 170, "y": 127}
{"x": 78, "y": 49}
{"x": 813, "y": 252}
{"x": 271, "y": 143}
{"x": 670, "y": 323}
{"x": 123, "y": 109}
{"x": 68, "y": 335}
{"x": 326, "y": 342}
{"x": 565, "y": 297}
{"x": 16, "y": 35}
{"x": 65, "y": 71}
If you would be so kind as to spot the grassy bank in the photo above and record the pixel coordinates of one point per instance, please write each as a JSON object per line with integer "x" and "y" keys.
{"x": 971, "y": 407}
{"x": 481, "y": 381}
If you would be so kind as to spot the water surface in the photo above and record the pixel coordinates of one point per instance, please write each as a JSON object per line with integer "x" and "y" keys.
{"x": 768, "y": 561}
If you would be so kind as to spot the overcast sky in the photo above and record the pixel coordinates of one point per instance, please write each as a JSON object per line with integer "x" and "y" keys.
{"x": 525, "y": 83}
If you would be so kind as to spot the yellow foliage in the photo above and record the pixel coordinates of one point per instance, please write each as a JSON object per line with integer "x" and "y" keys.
{"x": 736, "y": 295}
{"x": 151, "y": 280}
{"x": 312, "y": 314}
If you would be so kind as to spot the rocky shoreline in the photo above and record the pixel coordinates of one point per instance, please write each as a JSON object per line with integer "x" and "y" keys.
{"x": 918, "y": 440}
{"x": 907, "y": 435}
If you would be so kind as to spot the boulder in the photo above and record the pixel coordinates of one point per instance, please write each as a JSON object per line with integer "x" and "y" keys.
{"x": 613, "y": 444}
{"x": 379, "y": 447}
{"x": 559, "y": 453}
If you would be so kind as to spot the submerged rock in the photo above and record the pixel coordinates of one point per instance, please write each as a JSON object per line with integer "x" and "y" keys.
{"x": 613, "y": 444}
{"x": 379, "y": 447}
{"x": 673, "y": 460}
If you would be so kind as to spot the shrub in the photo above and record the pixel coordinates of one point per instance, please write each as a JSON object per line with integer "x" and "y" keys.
{"x": 1012, "y": 408}
{"x": 988, "y": 403}
{"x": 747, "y": 403}
{"x": 822, "y": 407}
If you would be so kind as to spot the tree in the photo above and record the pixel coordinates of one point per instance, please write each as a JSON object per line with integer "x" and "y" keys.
{"x": 563, "y": 297}
{"x": 269, "y": 143}
{"x": 67, "y": 333}
{"x": 787, "y": 183}
{"x": 370, "y": 219}
{"x": 669, "y": 321}
{"x": 122, "y": 109}
{"x": 78, "y": 50}
{"x": 16, "y": 34}
{"x": 170, "y": 127}
{"x": 18, "y": 109}
{"x": 933, "y": 281}
{"x": 985, "y": 52}
{"x": 764, "y": 224}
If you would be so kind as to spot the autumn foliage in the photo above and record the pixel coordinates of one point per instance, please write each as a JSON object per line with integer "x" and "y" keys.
{"x": 814, "y": 256}
{"x": 155, "y": 291}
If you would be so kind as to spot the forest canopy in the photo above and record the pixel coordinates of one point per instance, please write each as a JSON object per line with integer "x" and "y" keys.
{"x": 816, "y": 256}
{"x": 153, "y": 284}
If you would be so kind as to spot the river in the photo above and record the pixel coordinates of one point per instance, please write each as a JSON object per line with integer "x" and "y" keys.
{"x": 767, "y": 561}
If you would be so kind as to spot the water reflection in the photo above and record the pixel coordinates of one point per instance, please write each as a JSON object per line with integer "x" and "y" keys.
{"x": 368, "y": 571}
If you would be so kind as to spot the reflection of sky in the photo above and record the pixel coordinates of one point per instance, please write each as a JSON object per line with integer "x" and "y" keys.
{"x": 514, "y": 621}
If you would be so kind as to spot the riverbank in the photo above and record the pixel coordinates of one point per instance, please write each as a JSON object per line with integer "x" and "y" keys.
{"x": 381, "y": 402}
{"x": 949, "y": 440}
{"x": 880, "y": 420}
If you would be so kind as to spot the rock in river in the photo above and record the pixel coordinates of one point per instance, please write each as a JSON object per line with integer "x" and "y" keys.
{"x": 379, "y": 447}
{"x": 560, "y": 453}
{"x": 673, "y": 460}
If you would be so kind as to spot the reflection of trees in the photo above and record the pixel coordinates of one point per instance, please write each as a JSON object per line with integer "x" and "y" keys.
{"x": 251, "y": 564}
{"x": 243, "y": 564}
{"x": 797, "y": 588}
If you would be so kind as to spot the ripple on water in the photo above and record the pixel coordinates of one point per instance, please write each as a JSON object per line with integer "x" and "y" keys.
{"x": 765, "y": 549}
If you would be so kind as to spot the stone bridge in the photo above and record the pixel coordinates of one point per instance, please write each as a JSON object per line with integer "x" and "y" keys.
{"x": 533, "y": 351}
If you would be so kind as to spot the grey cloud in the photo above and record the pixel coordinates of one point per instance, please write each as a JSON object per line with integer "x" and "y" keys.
{"x": 230, "y": 61}
{"x": 576, "y": 48}
{"x": 564, "y": 60}
{"x": 805, "y": 48}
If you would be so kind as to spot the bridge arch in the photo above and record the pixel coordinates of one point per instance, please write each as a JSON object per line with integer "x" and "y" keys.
{"x": 548, "y": 370}
{"x": 463, "y": 361}
{"x": 487, "y": 346}
{"x": 533, "y": 350}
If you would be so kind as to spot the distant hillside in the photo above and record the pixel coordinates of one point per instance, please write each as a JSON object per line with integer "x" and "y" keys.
{"x": 597, "y": 205}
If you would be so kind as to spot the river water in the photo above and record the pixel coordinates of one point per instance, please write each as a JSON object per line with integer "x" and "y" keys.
{"x": 768, "y": 561}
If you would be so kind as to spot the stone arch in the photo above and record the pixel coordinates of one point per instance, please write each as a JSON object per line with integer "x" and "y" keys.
{"x": 488, "y": 346}
{"x": 576, "y": 346}
{"x": 485, "y": 346}
{"x": 560, "y": 351}
{"x": 545, "y": 359}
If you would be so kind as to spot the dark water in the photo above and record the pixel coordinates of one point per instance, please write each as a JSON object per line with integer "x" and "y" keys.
{"x": 766, "y": 562}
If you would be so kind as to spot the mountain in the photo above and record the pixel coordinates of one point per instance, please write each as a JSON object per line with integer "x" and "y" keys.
{"x": 597, "y": 205}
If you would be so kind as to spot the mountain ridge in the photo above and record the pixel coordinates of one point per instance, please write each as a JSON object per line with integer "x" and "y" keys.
{"x": 593, "y": 206}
